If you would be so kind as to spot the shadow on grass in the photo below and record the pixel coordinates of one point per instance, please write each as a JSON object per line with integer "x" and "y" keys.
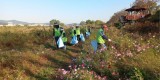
{"x": 40, "y": 64}
{"x": 73, "y": 50}
{"x": 38, "y": 77}
{"x": 57, "y": 63}
{"x": 48, "y": 45}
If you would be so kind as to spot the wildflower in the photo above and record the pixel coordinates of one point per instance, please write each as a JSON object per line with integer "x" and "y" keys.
{"x": 75, "y": 70}
{"x": 102, "y": 66}
{"x": 113, "y": 47}
{"x": 154, "y": 36}
{"x": 83, "y": 65}
{"x": 118, "y": 55}
{"x": 69, "y": 66}
{"x": 156, "y": 47}
{"x": 144, "y": 49}
{"x": 75, "y": 66}
{"x": 104, "y": 78}
{"x": 109, "y": 40}
{"x": 64, "y": 72}
{"x": 139, "y": 49}
{"x": 109, "y": 66}
{"x": 129, "y": 54}
{"x": 99, "y": 78}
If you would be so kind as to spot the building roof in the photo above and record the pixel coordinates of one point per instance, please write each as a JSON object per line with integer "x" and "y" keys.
{"x": 135, "y": 8}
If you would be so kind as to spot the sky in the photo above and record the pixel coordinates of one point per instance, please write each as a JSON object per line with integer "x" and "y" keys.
{"x": 67, "y": 11}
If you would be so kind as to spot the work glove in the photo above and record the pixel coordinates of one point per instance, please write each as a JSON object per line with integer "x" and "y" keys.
{"x": 104, "y": 37}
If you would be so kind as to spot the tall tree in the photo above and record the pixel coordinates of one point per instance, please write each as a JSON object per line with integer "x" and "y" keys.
{"x": 89, "y": 22}
{"x": 116, "y": 16}
{"x": 98, "y": 22}
{"x": 82, "y": 23}
{"x": 149, "y": 4}
{"x": 52, "y": 22}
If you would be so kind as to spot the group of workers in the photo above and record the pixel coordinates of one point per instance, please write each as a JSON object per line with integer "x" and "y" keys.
{"x": 76, "y": 36}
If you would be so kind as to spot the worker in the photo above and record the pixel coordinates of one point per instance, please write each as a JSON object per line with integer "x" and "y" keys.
{"x": 74, "y": 36}
{"x": 101, "y": 37}
{"x": 56, "y": 33}
{"x": 73, "y": 32}
{"x": 78, "y": 32}
{"x": 64, "y": 38}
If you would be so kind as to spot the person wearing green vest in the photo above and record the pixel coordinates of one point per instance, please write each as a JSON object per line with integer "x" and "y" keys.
{"x": 78, "y": 32}
{"x": 56, "y": 33}
{"x": 64, "y": 38}
{"x": 73, "y": 32}
{"x": 101, "y": 37}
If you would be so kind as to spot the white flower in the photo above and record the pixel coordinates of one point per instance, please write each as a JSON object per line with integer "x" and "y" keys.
{"x": 65, "y": 72}
{"x": 109, "y": 40}
{"x": 154, "y": 36}
{"x": 75, "y": 70}
{"x": 118, "y": 55}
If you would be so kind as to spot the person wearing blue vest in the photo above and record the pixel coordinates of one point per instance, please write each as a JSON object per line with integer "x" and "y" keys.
{"x": 56, "y": 33}
{"x": 101, "y": 37}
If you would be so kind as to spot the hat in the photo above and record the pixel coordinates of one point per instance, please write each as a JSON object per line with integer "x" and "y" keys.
{"x": 104, "y": 26}
{"x": 56, "y": 24}
{"x": 77, "y": 25}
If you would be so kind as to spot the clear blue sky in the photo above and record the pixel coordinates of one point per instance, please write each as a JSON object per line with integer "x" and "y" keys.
{"x": 67, "y": 11}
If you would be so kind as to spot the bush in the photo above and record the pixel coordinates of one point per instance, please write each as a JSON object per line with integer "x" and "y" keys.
{"x": 143, "y": 28}
{"x": 118, "y": 25}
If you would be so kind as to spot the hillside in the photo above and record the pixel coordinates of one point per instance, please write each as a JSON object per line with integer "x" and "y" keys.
{"x": 12, "y": 21}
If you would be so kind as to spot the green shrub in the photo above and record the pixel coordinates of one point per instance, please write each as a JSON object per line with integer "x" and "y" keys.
{"x": 118, "y": 25}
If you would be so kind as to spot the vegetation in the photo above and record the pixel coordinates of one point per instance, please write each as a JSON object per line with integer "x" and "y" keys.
{"x": 29, "y": 53}
{"x": 52, "y": 22}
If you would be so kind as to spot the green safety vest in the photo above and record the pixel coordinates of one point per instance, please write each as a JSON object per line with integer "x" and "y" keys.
{"x": 64, "y": 39}
{"x": 78, "y": 31}
{"x": 72, "y": 32}
{"x": 57, "y": 32}
{"x": 99, "y": 37}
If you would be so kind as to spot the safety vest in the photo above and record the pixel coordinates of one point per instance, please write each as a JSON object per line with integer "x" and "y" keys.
{"x": 57, "y": 32}
{"x": 64, "y": 39}
{"x": 99, "y": 37}
{"x": 72, "y": 32}
{"x": 78, "y": 31}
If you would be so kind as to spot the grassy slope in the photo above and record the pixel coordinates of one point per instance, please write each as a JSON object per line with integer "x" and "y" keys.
{"x": 38, "y": 59}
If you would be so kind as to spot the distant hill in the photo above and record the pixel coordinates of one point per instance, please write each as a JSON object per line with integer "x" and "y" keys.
{"x": 12, "y": 21}
{"x": 5, "y": 22}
